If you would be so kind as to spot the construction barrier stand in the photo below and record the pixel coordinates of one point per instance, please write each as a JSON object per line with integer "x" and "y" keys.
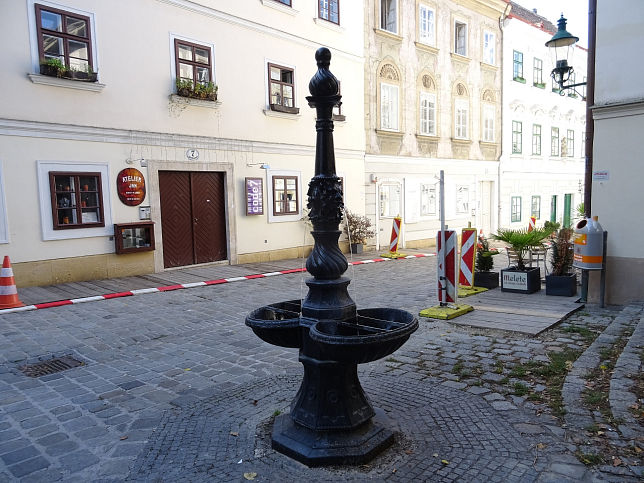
{"x": 466, "y": 267}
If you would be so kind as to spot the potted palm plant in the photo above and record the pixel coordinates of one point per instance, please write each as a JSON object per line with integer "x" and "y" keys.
{"x": 483, "y": 274}
{"x": 562, "y": 281}
{"x": 522, "y": 278}
{"x": 358, "y": 228}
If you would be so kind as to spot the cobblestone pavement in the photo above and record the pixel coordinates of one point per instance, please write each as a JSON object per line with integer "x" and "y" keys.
{"x": 175, "y": 387}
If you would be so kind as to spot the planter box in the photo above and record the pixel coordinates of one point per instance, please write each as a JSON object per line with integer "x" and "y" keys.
{"x": 486, "y": 279}
{"x": 288, "y": 110}
{"x": 561, "y": 285}
{"x": 184, "y": 92}
{"x": 49, "y": 70}
{"x": 521, "y": 281}
{"x": 356, "y": 248}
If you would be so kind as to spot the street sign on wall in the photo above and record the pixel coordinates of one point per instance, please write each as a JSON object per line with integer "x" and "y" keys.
{"x": 254, "y": 197}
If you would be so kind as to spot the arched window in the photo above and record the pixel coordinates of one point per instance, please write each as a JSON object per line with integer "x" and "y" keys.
{"x": 461, "y": 112}
{"x": 427, "y": 106}
{"x": 389, "y": 83}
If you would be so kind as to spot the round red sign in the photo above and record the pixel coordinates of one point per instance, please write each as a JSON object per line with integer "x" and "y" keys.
{"x": 130, "y": 185}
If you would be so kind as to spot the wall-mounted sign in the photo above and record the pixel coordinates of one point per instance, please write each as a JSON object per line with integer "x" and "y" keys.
{"x": 130, "y": 185}
{"x": 602, "y": 175}
{"x": 254, "y": 196}
{"x": 192, "y": 154}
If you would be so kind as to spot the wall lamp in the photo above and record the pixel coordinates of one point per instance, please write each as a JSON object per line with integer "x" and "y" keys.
{"x": 563, "y": 45}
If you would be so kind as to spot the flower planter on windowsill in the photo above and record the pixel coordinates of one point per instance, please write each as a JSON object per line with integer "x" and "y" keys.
{"x": 288, "y": 110}
{"x": 540, "y": 85}
{"x": 50, "y": 70}
{"x": 519, "y": 79}
{"x": 521, "y": 281}
{"x": 53, "y": 71}
{"x": 184, "y": 92}
{"x": 561, "y": 285}
{"x": 487, "y": 280}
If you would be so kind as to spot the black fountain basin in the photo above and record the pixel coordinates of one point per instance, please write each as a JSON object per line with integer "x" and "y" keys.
{"x": 278, "y": 324}
{"x": 374, "y": 334}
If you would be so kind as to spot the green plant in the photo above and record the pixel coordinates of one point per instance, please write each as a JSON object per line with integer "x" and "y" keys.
{"x": 562, "y": 252}
{"x": 188, "y": 88}
{"x": 55, "y": 64}
{"x": 358, "y": 228}
{"x": 521, "y": 241}
{"x": 484, "y": 254}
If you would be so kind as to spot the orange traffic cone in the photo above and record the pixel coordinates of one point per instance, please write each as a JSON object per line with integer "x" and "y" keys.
{"x": 8, "y": 291}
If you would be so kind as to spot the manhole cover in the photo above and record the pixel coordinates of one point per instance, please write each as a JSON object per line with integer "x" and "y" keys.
{"x": 51, "y": 366}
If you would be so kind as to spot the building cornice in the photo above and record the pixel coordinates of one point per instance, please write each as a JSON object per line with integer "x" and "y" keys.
{"x": 70, "y": 132}
{"x": 489, "y": 8}
{"x": 618, "y": 109}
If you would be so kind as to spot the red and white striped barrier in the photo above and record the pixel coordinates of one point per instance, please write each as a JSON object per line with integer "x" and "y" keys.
{"x": 446, "y": 274}
{"x": 533, "y": 223}
{"x": 179, "y": 286}
{"x": 395, "y": 235}
{"x": 468, "y": 243}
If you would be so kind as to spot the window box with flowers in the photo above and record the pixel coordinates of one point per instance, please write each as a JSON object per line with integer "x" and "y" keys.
{"x": 519, "y": 79}
{"x": 540, "y": 85}
{"x": 196, "y": 90}
{"x": 53, "y": 67}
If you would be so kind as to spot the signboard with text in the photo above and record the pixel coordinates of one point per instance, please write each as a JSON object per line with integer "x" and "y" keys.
{"x": 130, "y": 185}
{"x": 254, "y": 197}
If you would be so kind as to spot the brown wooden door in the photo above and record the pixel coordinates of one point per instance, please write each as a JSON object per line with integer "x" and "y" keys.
{"x": 193, "y": 217}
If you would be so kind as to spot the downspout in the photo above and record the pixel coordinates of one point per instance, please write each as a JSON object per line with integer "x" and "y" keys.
{"x": 497, "y": 223}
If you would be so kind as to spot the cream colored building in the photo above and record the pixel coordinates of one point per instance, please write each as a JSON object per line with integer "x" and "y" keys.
{"x": 432, "y": 102}
{"x": 63, "y": 142}
{"x": 618, "y": 171}
{"x": 542, "y": 164}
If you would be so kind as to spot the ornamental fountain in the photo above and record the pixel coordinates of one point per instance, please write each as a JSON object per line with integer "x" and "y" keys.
{"x": 331, "y": 420}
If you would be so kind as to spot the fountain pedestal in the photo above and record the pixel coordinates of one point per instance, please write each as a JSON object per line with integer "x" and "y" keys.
{"x": 331, "y": 420}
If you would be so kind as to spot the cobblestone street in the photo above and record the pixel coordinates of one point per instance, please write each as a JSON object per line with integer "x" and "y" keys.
{"x": 175, "y": 387}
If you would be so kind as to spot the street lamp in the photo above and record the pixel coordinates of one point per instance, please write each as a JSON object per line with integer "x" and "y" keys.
{"x": 563, "y": 44}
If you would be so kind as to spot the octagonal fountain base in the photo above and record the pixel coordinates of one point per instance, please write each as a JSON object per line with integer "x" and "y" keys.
{"x": 320, "y": 448}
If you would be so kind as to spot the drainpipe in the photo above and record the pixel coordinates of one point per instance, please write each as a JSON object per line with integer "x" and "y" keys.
{"x": 590, "y": 126}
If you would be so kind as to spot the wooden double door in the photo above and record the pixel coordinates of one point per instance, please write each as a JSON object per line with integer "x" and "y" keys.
{"x": 193, "y": 217}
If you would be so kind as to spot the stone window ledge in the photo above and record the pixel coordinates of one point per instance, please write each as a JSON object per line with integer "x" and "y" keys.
{"x": 67, "y": 83}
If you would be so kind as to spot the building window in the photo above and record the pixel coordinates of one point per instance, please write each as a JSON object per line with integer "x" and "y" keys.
{"x": 329, "y": 10}
{"x": 388, "y": 107}
{"x": 554, "y": 141}
{"x": 389, "y": 15}
{"x": 536, "y": 207}
{"x": 76, "y": 200}
{"x": 517, "y": 137}
{"x": 515, "y": 209}
{"x": 428, "y": 114}
{"x": 282, "y": 88}
{"x": 489, "y": 113}
{"x": 462, "y": 200}
{"x": 461, "y": 108}
{"x": 517, "y": 66}
{"x": 537, "y": 73}
{"x": 193, "y": 63}
{"x": 460, "y": 38}
{"x": 428, "y": 200}
{"x": 536, "y": 139}
{"x": 555, "y": 86}
{"x": 285, "y": 2}
{"x": 64, "y": 36}
{"x": 426, "y": 25}
{"x": 489, "y": 47}
{"x": 390, "y": 200}
{"x": 570, "y": 143}
{"x": 285, "y": 195}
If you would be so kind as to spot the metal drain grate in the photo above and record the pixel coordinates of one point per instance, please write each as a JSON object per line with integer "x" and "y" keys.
{"x": 51, "y": 366}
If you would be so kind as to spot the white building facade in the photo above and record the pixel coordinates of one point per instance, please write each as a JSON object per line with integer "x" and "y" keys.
{"x": 432, "y": 103}
{"x": 208, "y": 165}
{"x": 618, "y": 112}
{"x": 542, "y": 162}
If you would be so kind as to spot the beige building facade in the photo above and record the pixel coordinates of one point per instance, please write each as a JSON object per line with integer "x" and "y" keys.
{"x": 432, "y": 103}
{"x": 208, "y": 163}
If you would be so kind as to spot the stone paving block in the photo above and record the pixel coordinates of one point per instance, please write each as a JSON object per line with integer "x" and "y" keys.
{"x": 61, "y": 448}
{"x": 91, "y": 433}
{"x": 19, "y": 455}
{"x": 77, "y": 424}
{"x": 78, "y": 461}
{"x": 51, "y": 439}
{"x": 24, "y": 468}
{"x": 43, "y": 430}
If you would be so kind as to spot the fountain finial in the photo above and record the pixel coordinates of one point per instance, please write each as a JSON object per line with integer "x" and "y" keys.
{"x": 323, "y": 83}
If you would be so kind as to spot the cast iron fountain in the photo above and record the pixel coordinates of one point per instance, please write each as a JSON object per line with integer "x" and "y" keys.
{"x": 331, "y": 419}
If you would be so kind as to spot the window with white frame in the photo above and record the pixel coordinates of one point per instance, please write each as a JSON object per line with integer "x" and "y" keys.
{"x": 461, "y": 118}
{"x": 554, "y": 141}
{"x": 570, "y": 143}
{"x": 390, "y": 200}
{"x": 536, "y": 139}
{"x": 388, "y": 107}
{"x": 537, "y": 73}
{"x": 281, "y": 81}
{"x": 285, "y": 195}
{"x": 329, "y": 10}
{"x": 389, "y": 15}
{"x": 426, "y": 25}
{"x": 460, "y": 38}
{"x": 489, "y": 47}
{"x": 428, "y": 200}
{"x": 536, "y": 207}
{"x": 489, "y": 113}
{"x": 462, "y": 200}
{"x": 517, "y": 137}
{"x": 515, "y": 209}
{"x": 428, "y": 114}
{"x": 517, "y": 66}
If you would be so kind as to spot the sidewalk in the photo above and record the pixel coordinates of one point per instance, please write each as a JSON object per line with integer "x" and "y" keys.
{"x": 174, "y": 387}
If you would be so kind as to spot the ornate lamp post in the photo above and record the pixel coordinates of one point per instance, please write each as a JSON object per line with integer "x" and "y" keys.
{"x": 563, "y": 44}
